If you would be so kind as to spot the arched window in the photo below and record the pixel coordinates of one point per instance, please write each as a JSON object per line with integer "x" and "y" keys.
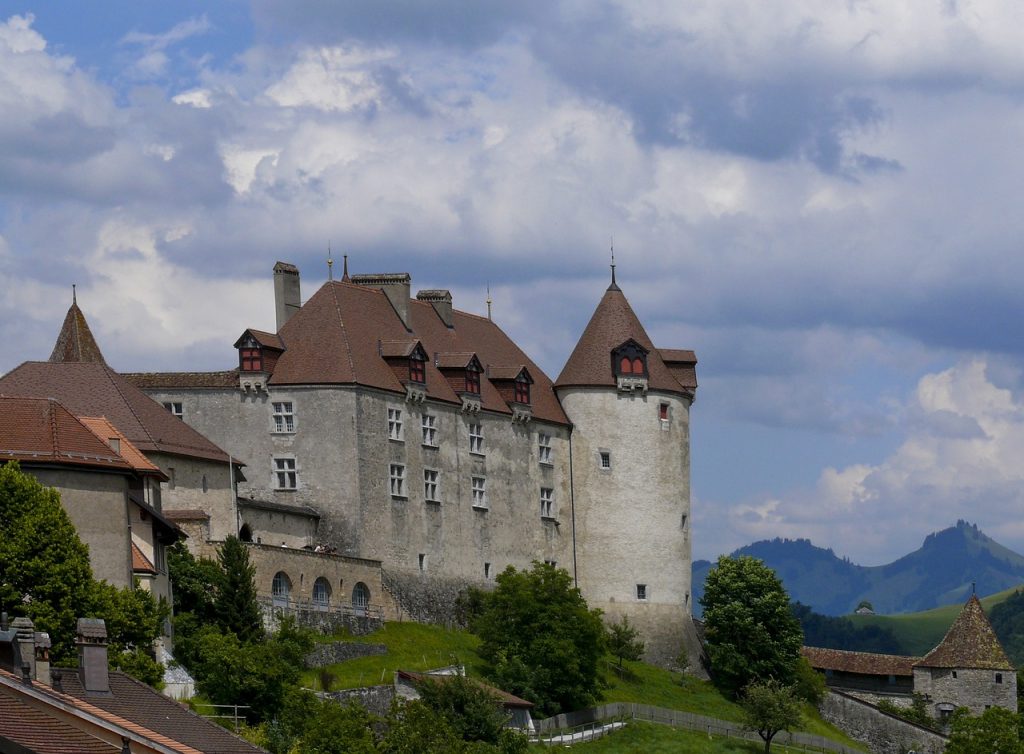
{"x": 626, "y": 366}
{"x": 281, "y": 589}
{"x": 245, "y": 533}
{"x": 360, "y": 598}
{"x": 630, "y": 360}
{"x": 638, "y": 366}
{"x": 321, "y": 593}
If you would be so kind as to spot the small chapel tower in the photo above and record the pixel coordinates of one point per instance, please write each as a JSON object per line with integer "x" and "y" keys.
{"x": 629, "y": 403}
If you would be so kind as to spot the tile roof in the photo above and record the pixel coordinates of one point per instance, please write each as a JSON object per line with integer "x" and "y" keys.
{"x": 186, "y": 514}
{"x": 38, "y": 732}
{"x": 612, "y": 324}
{"x": 75, "y": 341}
{"x": 509, "y": 700}
{"x": 140, "y": 563}
{"x": 969, "y": 643}
{"x": 146, "y": 380}
{"x": 136, "y": 701}
{"x": 94, "y": 389}
{"x": 864, "y": 663}
{"x": 268, "y": 505}
{"x": 106, "y": 431}
{"x": 41, "y": 430}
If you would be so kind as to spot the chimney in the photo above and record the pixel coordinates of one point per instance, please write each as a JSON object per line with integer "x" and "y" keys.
{"x": 396, "y": 287}
{"x": 25, "y": 655}
{"x": 92, "y": 656}
{"x": 42, "y": 641}
{"x": 287, "y": 299}
{"x": 442, "y": 303}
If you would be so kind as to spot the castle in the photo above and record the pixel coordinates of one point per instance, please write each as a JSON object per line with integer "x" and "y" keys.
{"x": 389, "y": 450}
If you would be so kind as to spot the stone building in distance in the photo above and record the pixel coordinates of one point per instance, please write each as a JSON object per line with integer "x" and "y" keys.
{"x": 384, "y": 426}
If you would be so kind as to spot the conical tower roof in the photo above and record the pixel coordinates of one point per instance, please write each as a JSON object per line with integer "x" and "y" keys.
{"x": 969, "y": 643}
{"x": 613, "y": 323}
{"x": 75, "y": 342}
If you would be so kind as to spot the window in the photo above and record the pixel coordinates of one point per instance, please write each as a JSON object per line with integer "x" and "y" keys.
{"x": 552, "y": 563}
{"x": 170, "y": 481}
{"x": 430, "y": 430}
{"x": 417, "y": 370}
{"x": 285, "y": 475}
{"x": 606, "y": 459}
{"x": 360, "y": 598}
{"x": 206, "y": 485}
{"x": 284, "y": 416}
{"x": 999, "y": 677}
{"x": 245, "y": 533}
{"x": 544, "y": 448}
{"x": 423, "y": 562}
{"x": 630, "y": 360}
{"x": 641, "y": 591}
{"x": 476, "y": 439}
{"x": 321, "y": 593}
{"x": 682, "y": 522}
{"x": 430, "y": 485}
{"x": 281, "y": 588}
{"x": 663, "y": 411}
{"x": 397, "y": 477}
{"x": 547, "y": 502}
{"x": 472, "y": 381}
{"x": 479, "y": 486}
{"x": 175, "y": 408}
{"x": 250, "y": 359}
{"x": 487, "y": 571}
{"x": 954, "y": 674}
{"x": 395, "y": 424}
{"x": 522, "y": 391}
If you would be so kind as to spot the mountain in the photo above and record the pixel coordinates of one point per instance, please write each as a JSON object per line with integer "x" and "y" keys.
{"x": 940, "y": 572}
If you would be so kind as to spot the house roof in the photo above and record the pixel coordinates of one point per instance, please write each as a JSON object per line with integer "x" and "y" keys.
{"x": 156, "y": 380}
{"x": 969, "y": 643}
{"x": 94, "y": 389}
{"x": 186, "y": 514}
{"x": 140, "y": 563}
{"x": 613, "y": 323}
{"x": 133, "y": 700}
{"x": 41, "y": 430}
{"x": 863, "y": 663}
{"x": 509, "y": 700}
{"x": 75, "y": 341}
{"x": 105, "y": 431}
{"x": 268, "y": 505}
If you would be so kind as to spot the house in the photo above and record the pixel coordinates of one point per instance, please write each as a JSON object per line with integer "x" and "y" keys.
{"x": 425, "y": 439}
{"x": 968, "y": 668}
{"x": 408, "y": 683}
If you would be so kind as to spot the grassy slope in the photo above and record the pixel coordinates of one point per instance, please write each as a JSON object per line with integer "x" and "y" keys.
{"x": 920, "y": 632}
{"x": 414, "y": 646}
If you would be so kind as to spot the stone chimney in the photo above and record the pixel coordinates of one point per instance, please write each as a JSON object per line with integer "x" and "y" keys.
{"x": 42, "y": 641}
{"x": 442, "y": 303}
{"x": 287, "y": 298}
{"x": 396, "y": 287}
{"x": 92, "y": 656}
{"x": 26, "y": 640}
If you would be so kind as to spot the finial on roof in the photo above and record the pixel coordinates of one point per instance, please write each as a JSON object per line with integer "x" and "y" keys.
{"x": 74, "y": 294}
{"x": 974, "y": 585}
{"x": 614, "y": 286}
{"x": 344, "y": 277}
{"x": 488, "y": 301}
{"x": 330, "y": 263}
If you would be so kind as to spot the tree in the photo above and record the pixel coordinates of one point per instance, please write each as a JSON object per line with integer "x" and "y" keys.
{"x": 751, "y": 633}
{"x": 134, "y": 620}
{"x": 808, "y": 683}
{"x": 469, "y": 708}
{"x": 624, "y": 642}
{"x": 235, "y": 605}
{"x": 539, "y": 639}
{"x": 995, "y": 731}
{"x": 44, "y": 566}
{"x": 768, "y": 708}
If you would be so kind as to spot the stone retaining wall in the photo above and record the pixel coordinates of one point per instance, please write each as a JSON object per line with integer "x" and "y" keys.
{"x": 377, "y": 699}
{"x": 882, "y": 732}
{"x": 333, "y": 652}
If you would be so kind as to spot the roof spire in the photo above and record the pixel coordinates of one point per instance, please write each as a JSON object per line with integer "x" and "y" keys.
{"x": 614, "y": 286}
{"x": 330, "y": 263}
{"x": 488, "y": 301}
{"x": 74, "y": 295}
{"x": 344, "y": 276}
{"x": 75, "y": 341}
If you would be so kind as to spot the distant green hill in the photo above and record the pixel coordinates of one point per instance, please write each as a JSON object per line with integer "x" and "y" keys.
{"x": 940, "y": 572}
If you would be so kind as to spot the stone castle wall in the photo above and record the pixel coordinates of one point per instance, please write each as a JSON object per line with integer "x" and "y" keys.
{"x": 972, "y": 688}
{"x": 882, "y": 732}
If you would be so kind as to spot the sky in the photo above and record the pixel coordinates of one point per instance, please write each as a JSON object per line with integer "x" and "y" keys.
{"x": 820, "y": 198}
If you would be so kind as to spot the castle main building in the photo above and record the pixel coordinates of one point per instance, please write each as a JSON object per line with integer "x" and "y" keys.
{"x": 395, "y": 428}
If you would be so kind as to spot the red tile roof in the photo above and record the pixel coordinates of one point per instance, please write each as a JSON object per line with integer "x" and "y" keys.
{"x": 41, "y": 733}
{"x": 75, "y": 341}
{"x": 969, "y": 643}
{"x": 41, "y": 430}
{"x": 140, "y": 563}
{"x": 94, "y": 389}
{"x": 106, "y": 431}
{"x": 864, "y": 663}
{"x": 612, "y": 324}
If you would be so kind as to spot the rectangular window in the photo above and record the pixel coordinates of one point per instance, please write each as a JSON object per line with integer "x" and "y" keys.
{"x": 479, "y": 492}
{"x": 547, "y": 502}
{"x": 423, "y": 561}
{"x": 417, "y": 371}
{"x": 487, "y": 571}
{"x": 663, "y": 411}
{"x": 473, "y": 381}
{"x": 522, "y": 392}
{"x": 284, "y": 416}
{"x": 552, "y": 563}
{"x": 476, "y": 439}
{"x": 251, "y": 359}
{"x": 170, "y": 481}
{"x": 397, "y": 478}
{"x": 430, "y": 485}
{"x": 641, "y": 591}
{"x": 544, "y": 448}
{"x": 395, "y": 424}
{"x": 606, "y": 459}
{"x": 175, "y": 408}
{"x": 430, "y": 430}
{"x": 285, "y": 475}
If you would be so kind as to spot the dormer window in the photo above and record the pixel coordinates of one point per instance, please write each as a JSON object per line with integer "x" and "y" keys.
{"x": 630, "y": 360}
{"x": 418, "y": 368}
{"x": 522, "y": 391}
{"x": 473, "y": 379}
{"x": 250, "y": 359}
{"x": 258, "y": 351}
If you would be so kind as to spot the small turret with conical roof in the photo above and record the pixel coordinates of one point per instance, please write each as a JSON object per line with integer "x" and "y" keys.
{"x": 75, "y": 342}
{"x": 629, "y": 403}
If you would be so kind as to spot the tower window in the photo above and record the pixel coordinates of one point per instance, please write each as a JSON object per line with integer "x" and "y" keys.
{"x": 606, "y": 459}
{"x": 250, "y": 359}
{"x": 663, "y": 411}
{"x": 641, "y": 591}
{"x": 630, "y": 360}
{"x": 487, "y": 571}
{"x": 423, "y": 561}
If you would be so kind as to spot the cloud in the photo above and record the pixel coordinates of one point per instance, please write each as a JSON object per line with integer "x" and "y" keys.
{"x": 153, "y": 60}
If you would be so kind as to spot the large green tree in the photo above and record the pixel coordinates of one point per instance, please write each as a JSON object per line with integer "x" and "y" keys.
{"x": 995, "y": 731}
{"x": 539, "y": 639}
{"x": 769, "y": 708}
{"x": 235, "y": 605}
{"x": 750, "y": 632}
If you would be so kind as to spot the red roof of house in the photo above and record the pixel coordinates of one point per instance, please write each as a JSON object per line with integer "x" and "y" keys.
{"x": 41, "y": 733}
{"x": 969, "y": 643}
{"x": 140, "y": 563}
{"x": 75, "y": 341}
{"x": 613, "y": 323}
{"x": 41, "y": 430}
{"x": 105, "y": 431}
{"x": 864, "y": 663}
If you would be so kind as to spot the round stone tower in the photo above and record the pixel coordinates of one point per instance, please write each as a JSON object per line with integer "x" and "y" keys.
{"x": 629, "y": 404}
